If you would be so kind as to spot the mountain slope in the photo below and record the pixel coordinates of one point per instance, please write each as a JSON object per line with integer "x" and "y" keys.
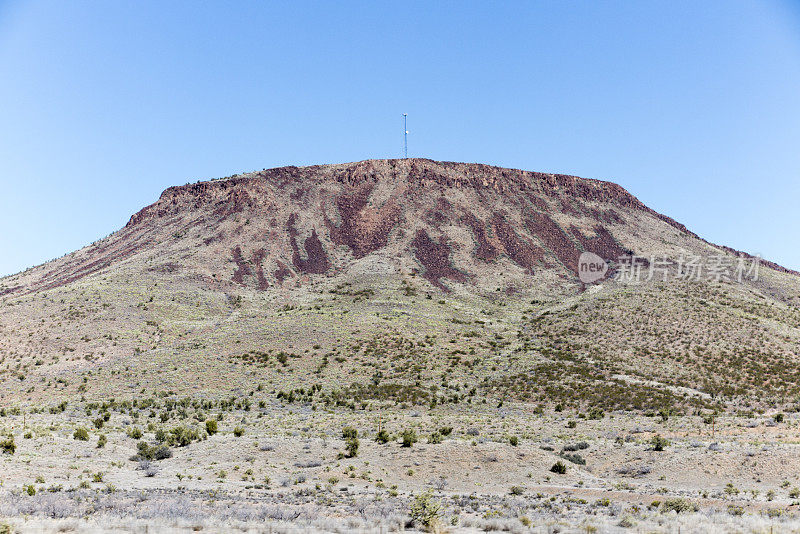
{"x": 400, "y": 280}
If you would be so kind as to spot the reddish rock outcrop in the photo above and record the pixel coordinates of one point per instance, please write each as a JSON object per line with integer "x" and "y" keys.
{"x": 335, "y": 214}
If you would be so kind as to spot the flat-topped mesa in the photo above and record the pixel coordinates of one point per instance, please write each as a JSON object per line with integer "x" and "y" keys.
{"x": 454, "y": 223}
{"x": 419, "y": 175}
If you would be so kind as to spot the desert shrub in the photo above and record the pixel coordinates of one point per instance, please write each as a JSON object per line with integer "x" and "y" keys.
{"x": 8, "y": 446}
{"x": 446, "y": 430}
{"x": 101, "y": 441}
{"x": 659, "y": 443}
{"x": 408, "y": 437}
{"x": 778, "y": 417}
{"x": 626, "y": 522}
{"x": 735, "y": 510}
{"x": 572, "y": 447}
{"x": 135, "y": 433}
{"x": 81, "y": 434}
{"x": 732, "y": 490}
{"x": 575, "y": 458}
{"x": 98, "y": 423}
{"x": 383, "y": 437}
{"x": 180, "y": 436}
{"x": 238, "y": 431}
{"x": 514, "y": 441}
{"x": 97, "y": 477}
{"x": 435, "y": 438}
{"x": 517, "y": 490}
{"x": 425, "y": 510}
{"x": 351, "y": 446}
{"x": 151, "y": 452}
{"x": 161, "y": 435}
{"x": 559, "y": 468}
{"x": 350, "y": 436}
{"x": 211, "y": 426}
{"x": 595, "y": 413}
{"x": 679, "y": 505}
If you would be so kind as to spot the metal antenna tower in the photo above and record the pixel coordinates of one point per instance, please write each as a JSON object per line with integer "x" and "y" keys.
{"x": 405, "y": 135}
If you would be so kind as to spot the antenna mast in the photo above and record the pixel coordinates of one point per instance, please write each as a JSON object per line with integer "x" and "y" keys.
{"x": 405, "y": 136}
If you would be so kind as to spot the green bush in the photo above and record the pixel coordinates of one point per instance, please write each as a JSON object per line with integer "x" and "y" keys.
{"x": 135, "y": 433}
{"x": 238, "y": 431}
{"x": 559, "y": 468}
{"x": 595, "y": 413}
{"x": 383, "y": 437}
{"x": 211, "y": 426}
{"x": 425, "y": 510}
{"x": 351, "y": 445}
{"x": 409, "y": 437}
{"x": 180, "y": 436}
{"x": 575, "y": 458}
{"x": 514, "y": 441}
{"x": 8, "y": 446}
{"x": 679, "y": 505}
{"x": 435, "y": 438}
{"x": 81, "y": 434}
{"x": 446, "y": 430}
{"x": 101, "y": 441}
{"x": 349, "y": 432}
{"x": 155, "y": 452}
{"x": 659, "y": 443}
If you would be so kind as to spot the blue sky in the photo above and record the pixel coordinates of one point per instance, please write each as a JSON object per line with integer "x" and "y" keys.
{"x": 694, "y": 107}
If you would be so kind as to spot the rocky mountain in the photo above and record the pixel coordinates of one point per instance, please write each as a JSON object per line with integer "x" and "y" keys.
{"x": 354, "y": 260}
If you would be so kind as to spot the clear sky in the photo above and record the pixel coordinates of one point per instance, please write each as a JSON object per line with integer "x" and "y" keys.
{"x": 694, "y": 107}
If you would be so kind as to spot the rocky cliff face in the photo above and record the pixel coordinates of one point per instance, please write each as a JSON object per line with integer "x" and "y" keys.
{"x": 453, "y": 223}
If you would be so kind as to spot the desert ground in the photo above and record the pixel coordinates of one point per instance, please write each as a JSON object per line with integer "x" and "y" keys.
{"x": 274, "y": 466}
